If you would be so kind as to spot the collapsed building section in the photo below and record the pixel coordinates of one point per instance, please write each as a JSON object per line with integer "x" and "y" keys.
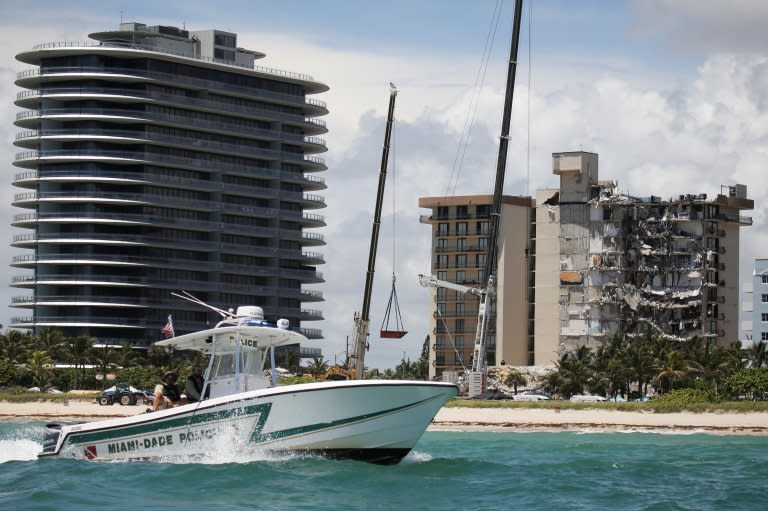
{"x": 627, "y": 262}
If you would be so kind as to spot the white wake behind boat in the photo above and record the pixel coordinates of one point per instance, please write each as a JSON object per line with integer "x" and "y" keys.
{"x": 371, "y": 420}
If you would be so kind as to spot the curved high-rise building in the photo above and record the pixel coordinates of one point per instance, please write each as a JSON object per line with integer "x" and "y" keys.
{"x": 153, "y": 160}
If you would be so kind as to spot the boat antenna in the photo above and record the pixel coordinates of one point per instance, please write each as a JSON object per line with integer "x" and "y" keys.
{"x": 190, "y": 298}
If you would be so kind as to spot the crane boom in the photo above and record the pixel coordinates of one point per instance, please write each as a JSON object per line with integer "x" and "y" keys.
{"x": 476, "y": 378}
{"x": 433, "y": 282}
{"x": 362, "y": 318}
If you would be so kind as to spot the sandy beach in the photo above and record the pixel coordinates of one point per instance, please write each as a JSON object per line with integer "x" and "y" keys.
{"x": 497, "y": 419}
{"x": 460, "y": 419}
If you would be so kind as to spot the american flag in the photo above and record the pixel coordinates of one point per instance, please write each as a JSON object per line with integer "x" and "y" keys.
{"x": 167, "y": 330}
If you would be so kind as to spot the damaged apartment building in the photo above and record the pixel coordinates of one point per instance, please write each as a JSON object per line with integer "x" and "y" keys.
{"x": 628, "y": 263}
{"x": 582, "y": 262}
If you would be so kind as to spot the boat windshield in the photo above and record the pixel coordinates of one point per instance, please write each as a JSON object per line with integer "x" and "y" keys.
{"x": 240, "y": 371}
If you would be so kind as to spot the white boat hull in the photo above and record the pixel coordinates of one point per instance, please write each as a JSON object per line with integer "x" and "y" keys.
{"x": 373, "y": 420}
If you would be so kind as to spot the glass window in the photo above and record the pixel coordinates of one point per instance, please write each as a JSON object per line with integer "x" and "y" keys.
{"x": 460, "y": 308}
{"x": 442, "y": 229}
{"x": 764, "y": 317}
{"x": 461, "y": 261}
{"x": 461, "y": 228}
{"x": 461, "y": 276}
{"x": 764, "y": 298}
{"x": 441, "y": 308}
{"x": 484, "y": 227}
{"x": 440, "y": 341}
{"x": 459, "y": 341}
{"x": 764, "y": 279}
{"x": 442, "y": 244}
{"x": 442, "y": 261}
{"x": 461, "y": 245}
{"x": 483, "y": 243}
{"x": 442, "y": 275}
{"x": 764, "y": 336}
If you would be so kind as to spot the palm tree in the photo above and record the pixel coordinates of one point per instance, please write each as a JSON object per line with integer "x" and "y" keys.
{"x": 707, "y": 362}
{"x": 574, "y": 371}
{"x": 672, "y": 370}
{"x": 317, "y": 367}
{"x": 79, "y": 354}
{"x": 128, "y": 357}
{"x": 15, "y": 346}
{"x": 757, "y": 354}
{"x": 40, "y": 365}
{"x": 640, "y": 363}
{"x": 50, "y": 340}
{"x": 514, "y": 379}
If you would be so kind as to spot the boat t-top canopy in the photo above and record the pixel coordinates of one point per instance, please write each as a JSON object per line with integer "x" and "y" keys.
{"x": 227, "y": 338}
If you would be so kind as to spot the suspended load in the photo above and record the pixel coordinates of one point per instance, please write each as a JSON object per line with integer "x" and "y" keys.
{"x": 395, "y": 330}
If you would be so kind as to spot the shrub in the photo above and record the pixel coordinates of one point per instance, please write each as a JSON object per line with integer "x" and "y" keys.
{"x": 684, "y": 399}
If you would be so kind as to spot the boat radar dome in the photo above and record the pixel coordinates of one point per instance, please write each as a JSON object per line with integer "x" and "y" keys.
{"x": 283, "y": 324}
{"x": 250, "y": 311}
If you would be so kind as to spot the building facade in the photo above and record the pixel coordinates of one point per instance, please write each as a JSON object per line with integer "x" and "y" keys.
{"x": 584, "y": 261}
{"x": 155, "y": 159}
{"x": 460, "y": 229}
{"x": 630, "y": 263}
{"x": 756, "y": 326}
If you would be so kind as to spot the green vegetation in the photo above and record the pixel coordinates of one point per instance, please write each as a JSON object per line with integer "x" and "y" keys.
{"x": 31, "y": 361}
{"x": 631, "y": 366}
{"x": 665, "y": 405}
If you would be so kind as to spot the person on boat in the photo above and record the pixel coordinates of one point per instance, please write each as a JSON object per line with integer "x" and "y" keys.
{"x": 167, "y": 394}
{"x": 193, "y": 389}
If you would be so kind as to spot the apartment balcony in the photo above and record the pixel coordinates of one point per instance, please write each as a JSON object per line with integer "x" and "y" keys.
{"x": 31, "y": 119}
{"x": 31, "y": 139}
{"x": 459, "y": 248}
{"x": 32, "y": 78}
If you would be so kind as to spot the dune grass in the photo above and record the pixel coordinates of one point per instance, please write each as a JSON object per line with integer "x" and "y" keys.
{"x": 648, "y": 407}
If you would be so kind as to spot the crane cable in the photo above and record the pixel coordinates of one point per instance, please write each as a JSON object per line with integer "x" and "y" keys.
{"x": 477, "y": 88}
{"x": 393, "y": 307}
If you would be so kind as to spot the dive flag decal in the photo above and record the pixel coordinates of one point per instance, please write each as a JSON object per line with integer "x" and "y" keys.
{"x": 90, "y": 452}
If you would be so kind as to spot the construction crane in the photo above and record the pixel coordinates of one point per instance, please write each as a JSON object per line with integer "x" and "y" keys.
{"x": 476, "y": 377}
{"x": 356, "y": 358}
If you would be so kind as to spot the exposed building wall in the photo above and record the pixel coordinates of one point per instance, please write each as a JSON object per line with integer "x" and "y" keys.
{"x": 512, "y": 286}
{"x": 547, "y": 286}
{"x": 629, "y": 263}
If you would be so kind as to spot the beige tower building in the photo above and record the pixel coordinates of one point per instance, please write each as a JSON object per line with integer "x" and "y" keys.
{"x": 582, "y": 262}
{"x": 460, "y": 228}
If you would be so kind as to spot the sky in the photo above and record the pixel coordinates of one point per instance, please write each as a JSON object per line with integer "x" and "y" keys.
{"x": 672, "y": 95}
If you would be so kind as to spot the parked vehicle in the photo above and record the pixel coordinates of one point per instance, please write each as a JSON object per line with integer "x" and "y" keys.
{"x": 587, "y": 399}
{"x": 531, "y": 396}
{"x": 125, "y": 395}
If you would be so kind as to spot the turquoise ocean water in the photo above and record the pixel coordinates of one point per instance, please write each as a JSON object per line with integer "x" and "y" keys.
{"x": 446, "y": 471}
